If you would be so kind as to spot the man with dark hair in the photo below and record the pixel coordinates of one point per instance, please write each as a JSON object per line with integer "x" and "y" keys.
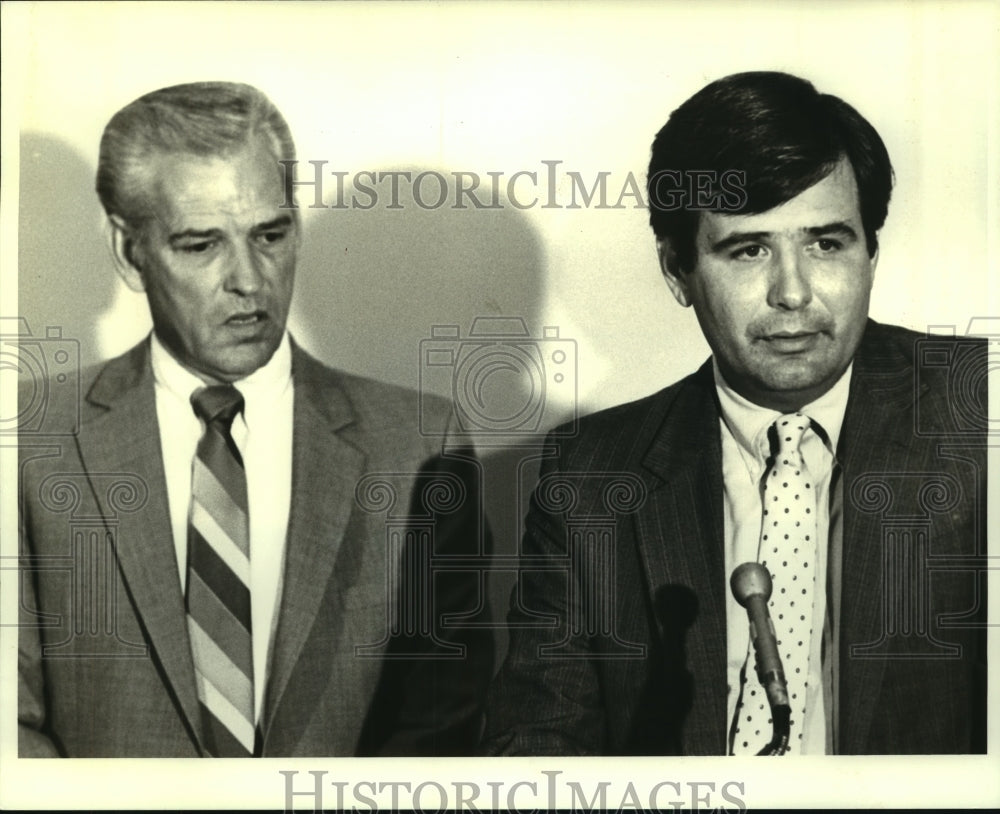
{"x": 818, "y": 467}
{"x": 209, "y": 562}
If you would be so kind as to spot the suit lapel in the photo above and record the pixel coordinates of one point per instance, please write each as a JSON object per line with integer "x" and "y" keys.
{"x": 123, "y": 439}
{"x": 680, "y": 537}
{"x": 325, "y": 471}
{"x": 875, "y": 440}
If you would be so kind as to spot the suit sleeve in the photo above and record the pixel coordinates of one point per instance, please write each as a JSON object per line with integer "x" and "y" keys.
{"x": 546, "y": 699}
{"x": 437, "y": 667}
{"x": 31, "y": 712}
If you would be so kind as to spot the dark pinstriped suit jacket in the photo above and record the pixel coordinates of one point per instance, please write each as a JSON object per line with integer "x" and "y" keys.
{"x": 86, "y": 693}
{"x": 639, "y": 628}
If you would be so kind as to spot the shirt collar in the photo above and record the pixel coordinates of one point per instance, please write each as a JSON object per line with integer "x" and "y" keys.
{"x": 265, "y": 384}
{"x": 748, "y": 422}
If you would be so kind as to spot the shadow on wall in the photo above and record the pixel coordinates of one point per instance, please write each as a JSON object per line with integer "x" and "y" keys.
{"x": 439, "y": 299}
{"x": 66, "y": 278}
{"x": 373, "y": 282}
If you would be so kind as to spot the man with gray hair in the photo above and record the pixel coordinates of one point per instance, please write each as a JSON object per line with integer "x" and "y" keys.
{"x": 235, "y": 589}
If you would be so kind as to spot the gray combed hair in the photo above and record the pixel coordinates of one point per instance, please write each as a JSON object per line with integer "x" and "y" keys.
{"x": 198, "y": 118}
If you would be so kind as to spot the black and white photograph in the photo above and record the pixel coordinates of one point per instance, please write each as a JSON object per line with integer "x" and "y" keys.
{"x": 499, "y": 406}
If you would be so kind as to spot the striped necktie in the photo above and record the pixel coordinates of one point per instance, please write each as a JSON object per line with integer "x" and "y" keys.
{"x": 218, "y": 579}
{"x": 788, "y": 551}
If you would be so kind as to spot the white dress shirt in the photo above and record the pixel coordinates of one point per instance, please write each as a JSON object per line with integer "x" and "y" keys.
{"x": 263, "y": 434}
{"x": 745, "y": 450}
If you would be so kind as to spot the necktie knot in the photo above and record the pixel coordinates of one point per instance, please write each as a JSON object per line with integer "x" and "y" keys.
{"x": 789, "y": 430}
{"x": 218, "y": 403}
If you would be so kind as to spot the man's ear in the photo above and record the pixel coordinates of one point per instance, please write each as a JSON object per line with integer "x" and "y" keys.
{"x": 672, "y": 271}
{"x": 123, "y": 250}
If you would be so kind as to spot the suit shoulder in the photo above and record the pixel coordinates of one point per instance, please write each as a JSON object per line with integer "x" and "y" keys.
{"x": 936, "y": 360}
{"x": 946, "y": 375}
{"x": 631, "y": 411}
{"x": 884, "y": 341}
{"x": 376, "y": 405}
{"x": 55, "y": 404}
{"x": 619, "y": 431}
{"x": 373, "y": 397}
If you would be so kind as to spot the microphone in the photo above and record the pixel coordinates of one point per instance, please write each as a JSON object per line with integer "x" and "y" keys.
{"x": 751, "y": 586}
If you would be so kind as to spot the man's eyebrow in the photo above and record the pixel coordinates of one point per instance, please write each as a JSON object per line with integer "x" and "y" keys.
{"x": 736, "y": 238}
{"x": 193, "y": 234}
{"x": 276, "y": 223}
{"x": 837, "y": 227}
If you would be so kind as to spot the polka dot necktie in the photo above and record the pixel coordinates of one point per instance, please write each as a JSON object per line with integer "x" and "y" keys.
{"x": 788, "y": 551}
{"x": 218, "y": 577}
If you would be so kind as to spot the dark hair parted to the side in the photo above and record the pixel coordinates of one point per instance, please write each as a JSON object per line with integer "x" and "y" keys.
{"x": 199, "y": 118}
{"x": 780, "y": 135}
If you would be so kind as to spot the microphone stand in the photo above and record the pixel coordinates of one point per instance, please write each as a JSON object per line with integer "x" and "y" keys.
{"x": 780, "y": 715}
{"x": 751, "y": 586}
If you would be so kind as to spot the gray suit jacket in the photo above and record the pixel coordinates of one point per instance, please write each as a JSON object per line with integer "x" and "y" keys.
{"x": 361, "y": 662}
{"x": 622, "y": 648}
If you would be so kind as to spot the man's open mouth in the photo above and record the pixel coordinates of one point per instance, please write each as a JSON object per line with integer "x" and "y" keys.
{"x": 249, "y": 318}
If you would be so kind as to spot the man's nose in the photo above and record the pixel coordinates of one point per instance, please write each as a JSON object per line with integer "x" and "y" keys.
{"x": 790, "y": 288}
{"x": 244, "y": 275}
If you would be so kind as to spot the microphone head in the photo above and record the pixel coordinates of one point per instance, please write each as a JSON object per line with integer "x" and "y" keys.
{"x": 748, "y": 580}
